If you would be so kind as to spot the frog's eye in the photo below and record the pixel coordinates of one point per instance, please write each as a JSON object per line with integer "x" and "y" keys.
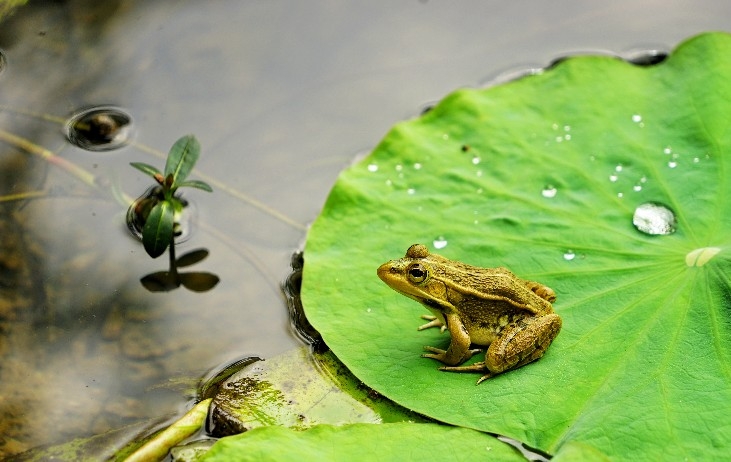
{"x": 417, "y": 273}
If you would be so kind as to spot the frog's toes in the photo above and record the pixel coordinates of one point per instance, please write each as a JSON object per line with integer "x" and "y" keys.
{"x": 485, "y": 377}
{"x": 476, "y": 367}
{"x": 433, "y": 322}
{"x": 436, "y": 353}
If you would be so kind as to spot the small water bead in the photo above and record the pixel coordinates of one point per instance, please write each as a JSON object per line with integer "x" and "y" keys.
{"x": 549, "y": 191}
{"x": 613, "y": 177}
{"x": 476, "y": 160}
{"x": 636, "y": 118}
{"x": 668, "y": 150}
{"x": 399, "y": 167}
{"x": 569, "y": 255}
{"x": 439, "y": 243}
{"x": 672, "y": 164}
{"x": 618, "y": 168}
{"x": 637, "y": 188}
{"x": 417, "y": 166}
{"x": 654, "y": 218}
{"x": 372, "y": 167}
{"x": 411, "y": 191}
{"x": 478, "y": 173}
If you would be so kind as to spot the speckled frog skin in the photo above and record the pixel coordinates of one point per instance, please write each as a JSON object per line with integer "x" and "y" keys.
{"x": 487, "y": 307}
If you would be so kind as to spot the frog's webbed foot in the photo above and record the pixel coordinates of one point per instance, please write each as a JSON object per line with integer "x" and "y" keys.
{"x": 433, "y": 322}
{"x": 476, "y": 367}
{"x": 443, "y": 355}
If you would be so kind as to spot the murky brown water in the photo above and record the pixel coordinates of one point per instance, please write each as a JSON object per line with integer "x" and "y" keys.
{"x": 281, "y": 95}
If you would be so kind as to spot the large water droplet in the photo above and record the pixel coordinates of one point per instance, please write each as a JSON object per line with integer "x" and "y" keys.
{"x": 654, "y": 218}
{"x": 99, "y": 128}
{"x": 439, "y": 243}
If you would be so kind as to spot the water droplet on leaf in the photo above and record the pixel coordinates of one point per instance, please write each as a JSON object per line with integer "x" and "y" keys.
{"x": 439, "y": 243}
{"x": 654, "y": 218}
{"x": 372, "y": 167}
{"x": 549, "y": 191}
{"x": 569, "y": 255}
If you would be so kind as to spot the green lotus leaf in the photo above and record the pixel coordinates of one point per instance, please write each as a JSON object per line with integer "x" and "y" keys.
{"x": 356, "y": 442}
{"x": 607, "y": 181}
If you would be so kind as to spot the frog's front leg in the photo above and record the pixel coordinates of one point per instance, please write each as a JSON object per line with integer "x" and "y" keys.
{"x": 459, "y": 348}
{"x": 433, "y": 322}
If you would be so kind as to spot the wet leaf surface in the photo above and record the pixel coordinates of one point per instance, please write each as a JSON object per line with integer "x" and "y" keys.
{"x": 544, "y": 175}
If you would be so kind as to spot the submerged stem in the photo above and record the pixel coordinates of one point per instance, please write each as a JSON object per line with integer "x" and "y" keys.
{"x": 47, "y": 155}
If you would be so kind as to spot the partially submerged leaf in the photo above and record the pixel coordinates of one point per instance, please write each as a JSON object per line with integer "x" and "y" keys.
{"x": 298, "y": 390}
{"x": 158, "y": 230}
{"x": 362, "y": 442}
{"x": 545, "y": 175}
{"x": 182, "y": 157}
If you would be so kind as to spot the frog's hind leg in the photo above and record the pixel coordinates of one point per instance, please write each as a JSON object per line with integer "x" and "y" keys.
{"x": 522, "y": 343}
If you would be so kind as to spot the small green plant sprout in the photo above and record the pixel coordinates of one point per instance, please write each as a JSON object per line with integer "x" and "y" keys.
{"x": 159, "y": 213}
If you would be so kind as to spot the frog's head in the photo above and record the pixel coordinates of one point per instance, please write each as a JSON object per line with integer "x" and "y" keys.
{"x": 412, "y": 276}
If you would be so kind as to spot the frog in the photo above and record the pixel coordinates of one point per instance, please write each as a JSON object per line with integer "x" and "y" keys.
{"x": 512, "y": 319}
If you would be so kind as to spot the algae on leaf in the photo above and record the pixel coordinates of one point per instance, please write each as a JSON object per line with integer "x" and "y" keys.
{"x": 544, "y": 175}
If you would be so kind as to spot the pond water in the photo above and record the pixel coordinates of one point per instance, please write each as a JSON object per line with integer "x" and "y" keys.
{"x": 281, "y": 95}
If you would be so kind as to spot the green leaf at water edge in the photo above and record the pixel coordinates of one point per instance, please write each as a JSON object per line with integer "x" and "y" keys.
{"x": 362, "y": 442}
{"x": 543, "y": 175}
{"x": 158, "y": 230}
{"x": 182, "y": 158}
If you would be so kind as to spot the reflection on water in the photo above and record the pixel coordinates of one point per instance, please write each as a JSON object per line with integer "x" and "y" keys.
{"x": 85, "y": 347}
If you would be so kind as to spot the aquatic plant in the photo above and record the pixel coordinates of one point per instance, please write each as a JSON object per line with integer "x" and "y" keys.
{"x": 160, "y": 210}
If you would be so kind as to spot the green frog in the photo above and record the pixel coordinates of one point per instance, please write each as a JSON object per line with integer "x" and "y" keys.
{"x": 488, "y": 307}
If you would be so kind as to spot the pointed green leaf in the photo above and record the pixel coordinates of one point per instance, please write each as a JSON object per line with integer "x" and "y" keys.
{"x": 158, "y": 230}
{"x": 182, "y": 157}
{"x": 145, "y": 168}
{"x": 549, "y": 176}
{"x": 196, "y": 184}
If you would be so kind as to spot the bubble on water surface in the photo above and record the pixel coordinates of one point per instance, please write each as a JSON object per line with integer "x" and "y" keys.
{"x": 654, "y": 218}
{"x": 99, "y": 128}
